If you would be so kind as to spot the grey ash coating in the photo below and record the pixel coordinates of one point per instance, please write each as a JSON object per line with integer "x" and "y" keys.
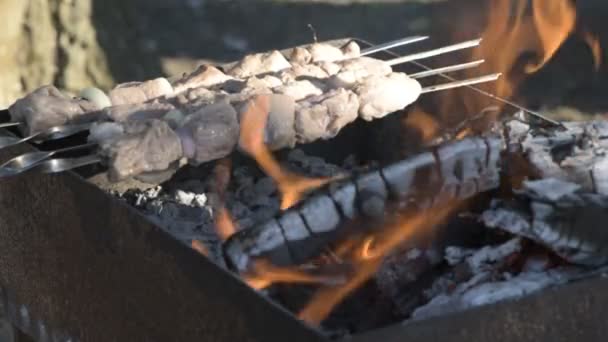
{"x": 186, "y": 206}
{"x": 457, "y": 170}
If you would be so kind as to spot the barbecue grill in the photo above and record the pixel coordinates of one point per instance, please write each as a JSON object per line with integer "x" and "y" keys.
{"x": 79, "y": 265}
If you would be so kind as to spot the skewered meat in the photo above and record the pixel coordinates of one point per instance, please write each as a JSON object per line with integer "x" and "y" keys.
{"x": 46, "y": 107}
{"x": 323, "y": 52}
{"x": 302, "y": 71}
{"x": 138, "y": 147}
{"x": 379, "y": 95}
{"x": 204, "y": 76}
{"x": 259, "y": 63}
{"x": 299, "y": 90}
{"x": 252, "y": 84}
{"x": 211, "y": 133}
{"x": 137, "y": 111}
{"x": 137, "y": 92}
{"x": 322, "y": 117}
{"x": 352, "y": 71}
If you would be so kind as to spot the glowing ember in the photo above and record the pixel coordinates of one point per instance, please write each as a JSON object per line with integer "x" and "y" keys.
{"x": 368, "y": 257}
{"x": 253, "y": 122}
{"x": 423, "y": 123}
{"x": 199, "y": 247}
{"x": 266, "y": 274}
{"x": 596, "y": 49}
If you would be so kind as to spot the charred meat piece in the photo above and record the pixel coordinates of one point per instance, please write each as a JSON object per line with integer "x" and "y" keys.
{"x": 136, "y": 147}
{"x": 322, "y": 117}
{"x": 138, "y": 92}
{"x": 46, "y": 107}
{"x": 210, "y": 133}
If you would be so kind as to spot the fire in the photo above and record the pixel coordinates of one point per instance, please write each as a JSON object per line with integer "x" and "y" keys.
{"x": 596, "y": 49}
{"x": 291, "y": 186}
{"x": 520, "y": 37}
{"x": 199, "y": 247}
{"x": 224, "y": 225}
{"x": 265, "y": 274}
{"x": 368, "y": 257}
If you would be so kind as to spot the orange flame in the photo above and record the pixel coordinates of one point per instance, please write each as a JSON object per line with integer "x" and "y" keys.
{"x": 224, "y": 225}
{"x": 199, "y": 247}
{"x": 253, "y": 122}
{"x": 265, "y": 274}
{"x": 368, "y": 258}
{"x": 596, "y": 49}
{"x": 520, "y": 37}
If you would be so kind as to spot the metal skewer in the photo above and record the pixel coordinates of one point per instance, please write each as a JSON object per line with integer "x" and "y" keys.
{"x": 392, "y": 44}
{"x": 9, "y": 124}
{"x": 52, "y": 133}
{"x": 30, "y": 160}
{"x": 451, "y": 68}
{"x": 65, "y": 164}
{"x": 435, "y": 52}
{"x": 462, "y": 83}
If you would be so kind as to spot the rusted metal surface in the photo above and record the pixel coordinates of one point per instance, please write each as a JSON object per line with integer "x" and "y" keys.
{"x": 77, "y": 263}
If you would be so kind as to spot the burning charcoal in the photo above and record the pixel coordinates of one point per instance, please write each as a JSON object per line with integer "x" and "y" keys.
{"x": 144, "y": 146}
{"x": 402, "y": 268}
{"x": 310, "y": 165}
{"x": 328, "y": 213}
{"x": 577, "y": 154}
{"x": 299, "y": 90}
{"x": 209, "y": 134}
{"x": 559, "y": 215}
{"x": 138, "y": 92}
{"x": 46, "y": 107}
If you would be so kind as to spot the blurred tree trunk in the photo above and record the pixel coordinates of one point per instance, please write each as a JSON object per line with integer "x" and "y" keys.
{"x": 49, "y": 42}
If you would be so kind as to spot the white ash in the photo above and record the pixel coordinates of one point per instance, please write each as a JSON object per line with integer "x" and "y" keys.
{"x": 187, "y": 208}
{"x": 477, "y": 292}
{"x": 559, "y": 215}
{"x": 486, "y": 258}
{"x": 576, "y": 154}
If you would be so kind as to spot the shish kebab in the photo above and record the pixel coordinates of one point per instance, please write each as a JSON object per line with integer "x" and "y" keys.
{"x": 349, "y": 88}
{"x": 43, "y": 112}
{"x": 47, "y": 107}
